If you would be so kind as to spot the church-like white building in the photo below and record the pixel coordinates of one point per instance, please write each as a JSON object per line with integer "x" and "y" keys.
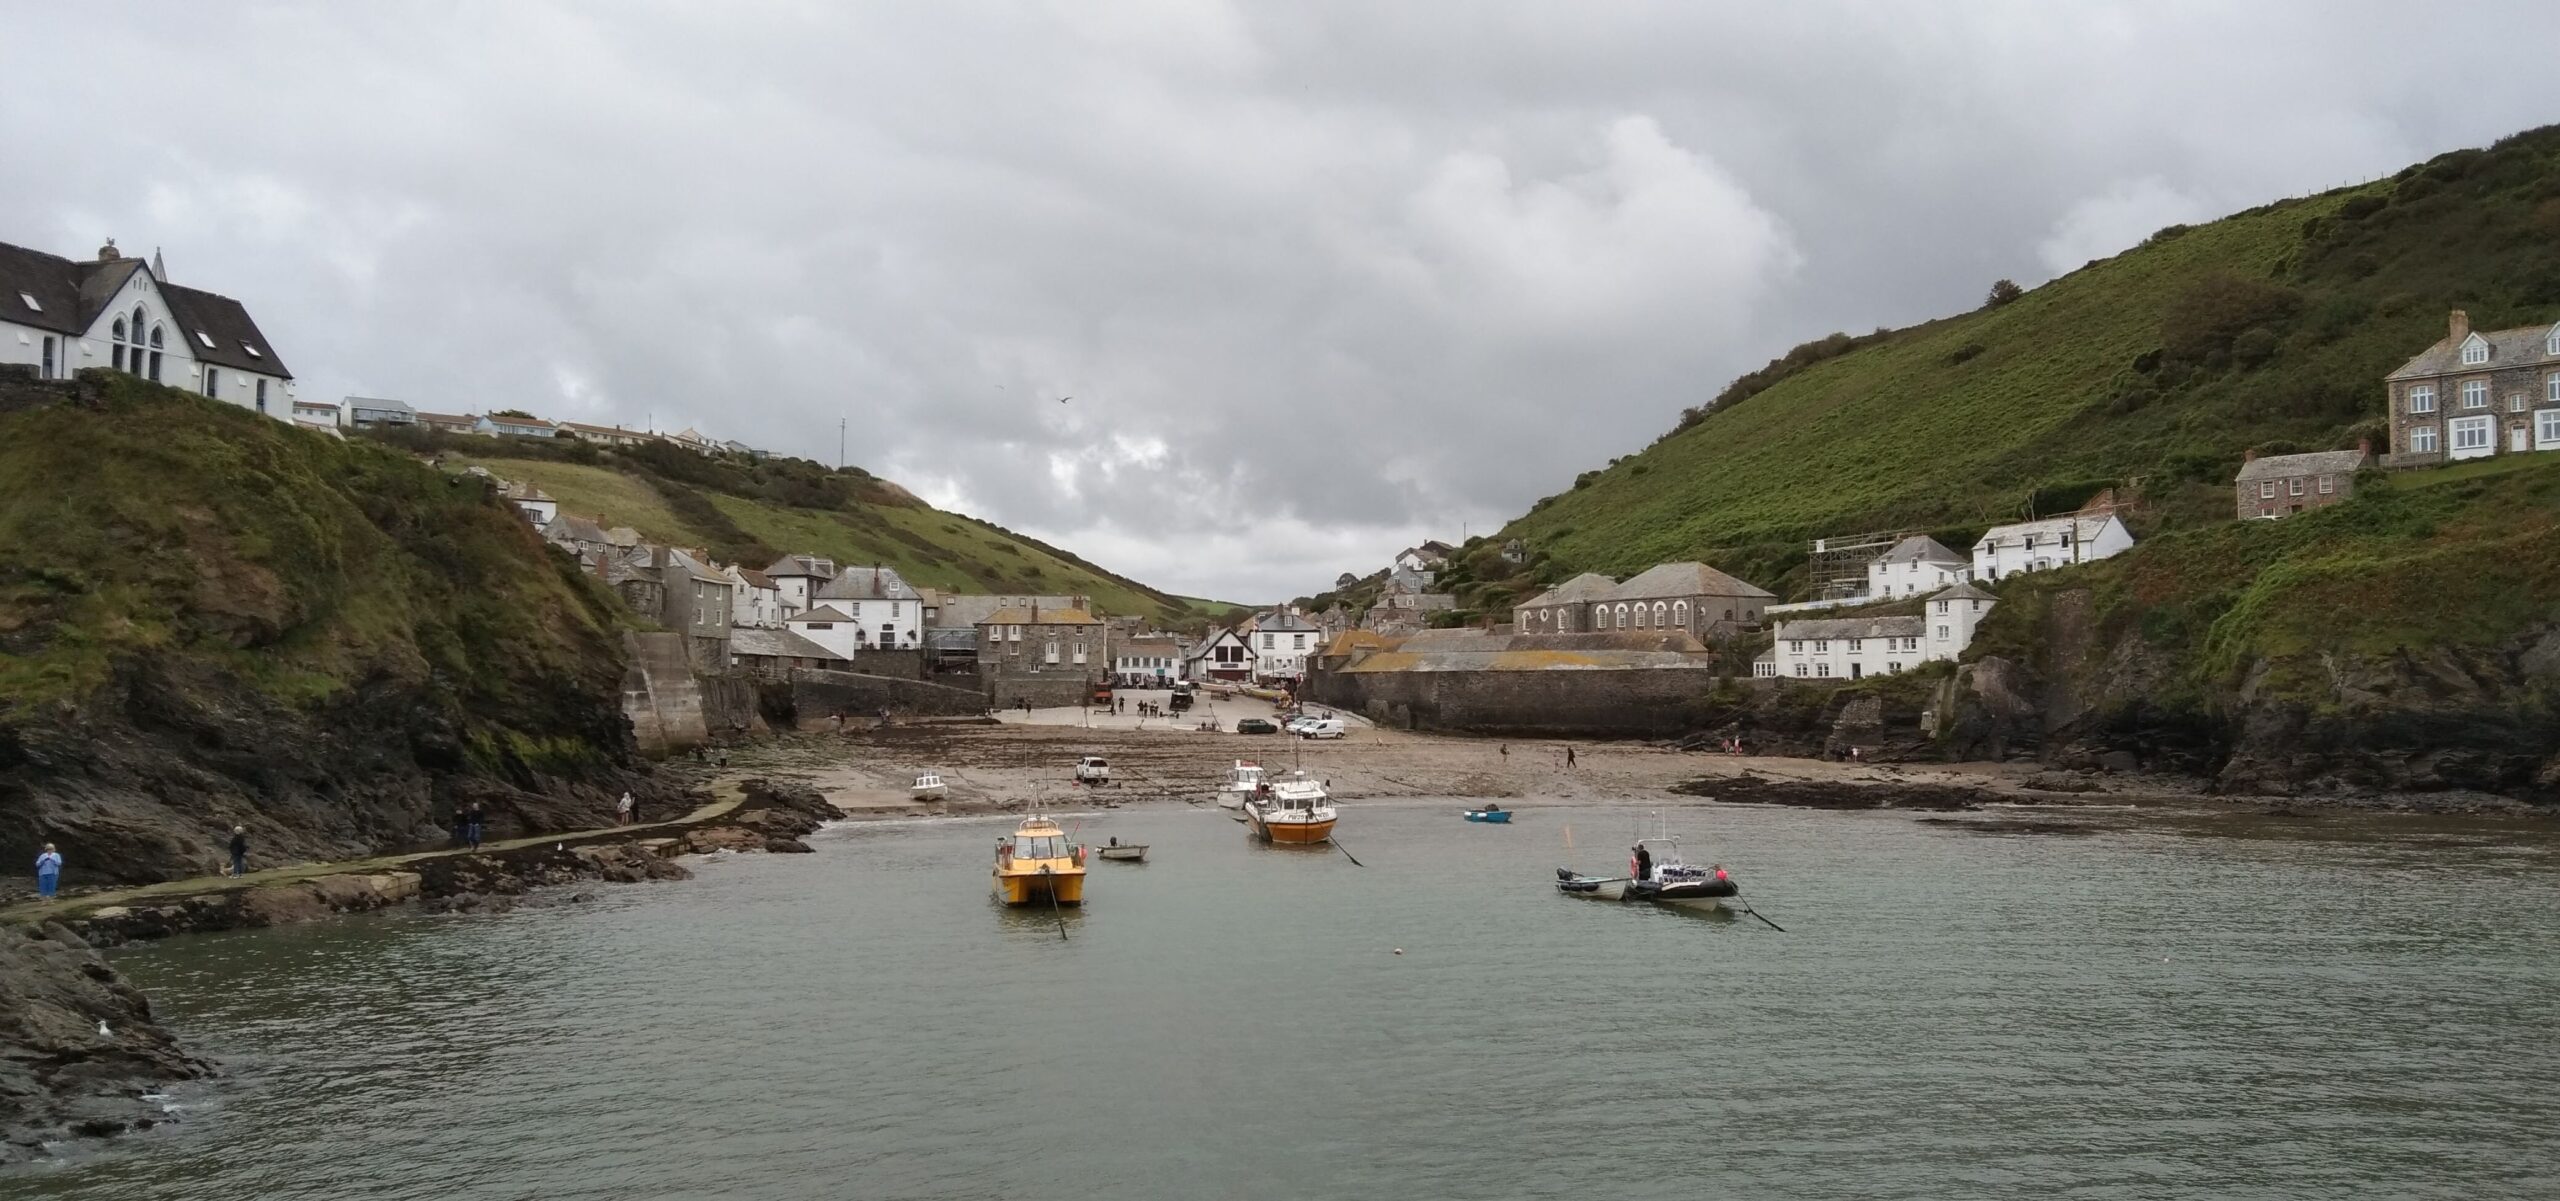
{"x": 60, "y": 316}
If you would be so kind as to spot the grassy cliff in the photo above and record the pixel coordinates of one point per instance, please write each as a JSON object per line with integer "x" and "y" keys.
{"x": 2152, "y": 371}
{"x": 754, "y": 512}
{"x": 209, "y": 618}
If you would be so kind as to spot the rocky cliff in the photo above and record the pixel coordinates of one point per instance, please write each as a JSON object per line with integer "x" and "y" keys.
{"x": 210, "y": 619}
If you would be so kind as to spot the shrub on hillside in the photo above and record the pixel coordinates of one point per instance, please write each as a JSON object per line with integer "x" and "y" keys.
{"x": 2002, "y": 292}
{"x": 2201, "y": 325}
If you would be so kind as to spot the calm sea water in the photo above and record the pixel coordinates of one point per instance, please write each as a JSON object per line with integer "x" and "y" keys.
{"x": 2324, "y": 1009}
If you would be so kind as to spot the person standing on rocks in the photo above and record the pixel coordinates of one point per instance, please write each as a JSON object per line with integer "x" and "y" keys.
{"x": 239, "y": 851}
{"x": 473, "y": 826}
{"x": 622, "y": 810}
{"x": 48, "y": 872}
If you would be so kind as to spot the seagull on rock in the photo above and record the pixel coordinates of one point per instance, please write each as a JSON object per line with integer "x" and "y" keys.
{"x": 102, "y": 1029}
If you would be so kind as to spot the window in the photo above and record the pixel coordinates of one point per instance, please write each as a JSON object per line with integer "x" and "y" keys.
{"x": 1942, "y": 605}
{"x": 2546, "y": 428}
{"x": 2476, "y": 350}
{"x": 156, "y": 344}
{"x": 1299, "y": 642}
{"x": 1856, "y": 645}
{"x": 262, "y": 396}
{"x": 117, "y": 336}
{"x": 212, "y": 382}
{"x": 2551, "y": 345}
{"x": 2266, "y": 491}
{"x": 1822, "y": 669}
{"x": 2475, "y": 394}
{"x": 1892, "y": 668}
{"x": 2293, "y": 487}
{"x": 1680, "y": 611}
{"x": 1942, "y": 633}
{"x": 2328, "y": 484}
{"x": 2551, "y": 386}
{"x": 1270, "y": 641}
{"x": 1051, "y": 654}
{"x": 2515, "y": 402}
{"x": 1795, "y": 646}
{"x": 1079, "y": 647}
{"x": 253, "y": 351}
{"x": 1822, "y": 646}
{"x": 1640, "y": 617}
{"x": 1800, "y": 670}
{"x": 1660, "y": 611}
{"x": 2422, "y": 439}
{"x": 818, "y": 625}
{"x": 48, "y": 358}
{"x": 205, "y": 338}
{"x": 2422, "y": 398}
{"x": 29, "y": 300}
{"x": 2471, "y": 433}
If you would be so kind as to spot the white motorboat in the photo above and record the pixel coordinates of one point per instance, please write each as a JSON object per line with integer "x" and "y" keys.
{"x": 929, "y": 787}
{"x": 1294, "y": 811}
{"x": 1244, "y": 782}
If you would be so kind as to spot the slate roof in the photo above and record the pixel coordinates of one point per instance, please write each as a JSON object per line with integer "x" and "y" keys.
{"x": 697, "y": 568}
{"x": 756, "y": 579}
{"x": 382, "y": 403}
{"x": 1590, "y": 585}
{"x": 1685, "y": 579}
{"x": 776, "y": 644}
{"x": 2318, "y": 462}
{"x": 1039, "y": 617}
{"x": 1962, "y": 591}
{"x": 868, "y": 583}
{"x": 802, "y": 566}
{"x": 237, "y": 341}
{"x": 568, "y": 527}
{"x": 821, "y": 613}
{"x": 1852, "y": 627}
{"x": 1477, "y": 650}
{"x": 1281, "y": 621}
{"x": 2507, "y": 348}
{"x": 1920, "y": 548}
{"x": 2082, "y": 527}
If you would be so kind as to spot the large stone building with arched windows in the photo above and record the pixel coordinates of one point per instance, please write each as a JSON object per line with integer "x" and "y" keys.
{"x": 1692, "y": 597}
{"x": 59, "y": 316}
{"x": 1563, "y": 609}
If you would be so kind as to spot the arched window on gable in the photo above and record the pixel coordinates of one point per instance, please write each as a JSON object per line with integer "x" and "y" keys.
{"x": 118, "y": 339}
{"x": 156, "y": 344}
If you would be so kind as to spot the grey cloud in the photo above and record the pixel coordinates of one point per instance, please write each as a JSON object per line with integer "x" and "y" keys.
{"x": 1324, "y": 278}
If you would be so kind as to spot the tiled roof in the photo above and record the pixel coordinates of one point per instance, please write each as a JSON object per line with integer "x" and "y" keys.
{"x": 798, "y": 566}
{"x": 1281, "y": 621}
{"x": 821, "y": 613}
{"x": 1962, "y": 591}
{"x": 1920, "y": 548}
{"x": 2507, "y": 348}
{"x": 756, "y": 579}
{"x": 1590, "y": 585}
{"x": 567, "y": 527}
{"x": 1039, "y": 617}
{"x": 2081, "y": 526}
{"x": 1852, "y": 627}
{"x": 2318, "y": 462}
{"x": 1685, "y": 579}
{"x": 867, "y": 583}
{"x": 776, "y": 644}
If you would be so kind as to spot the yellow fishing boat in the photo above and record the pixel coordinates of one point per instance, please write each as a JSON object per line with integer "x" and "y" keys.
{"x": 1036, "y": 864}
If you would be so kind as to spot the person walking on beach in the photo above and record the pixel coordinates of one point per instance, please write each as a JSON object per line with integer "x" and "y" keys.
{"x": 1568, "y": 756}
{"x": 239, "y": 851}
{"x": 48, "y": 872}
{"x": 622, "y": 810}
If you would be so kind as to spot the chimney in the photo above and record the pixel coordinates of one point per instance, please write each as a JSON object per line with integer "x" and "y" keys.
{"x": 2458, "y": 325}
{"x": 107, "y": 253}
{"x": 2249, "y": 454}
{"x": 2364, "y": 446}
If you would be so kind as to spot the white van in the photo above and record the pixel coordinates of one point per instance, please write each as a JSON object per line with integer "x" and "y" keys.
{"x": 1322, "y": 727}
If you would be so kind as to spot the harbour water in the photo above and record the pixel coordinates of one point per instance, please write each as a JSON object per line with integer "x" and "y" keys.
{"x": 2232, "y": 1008}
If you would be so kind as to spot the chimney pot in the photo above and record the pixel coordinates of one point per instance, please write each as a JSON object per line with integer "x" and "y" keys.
{"x": 2249, "y": 455}
{"x": 2458, "y": 324}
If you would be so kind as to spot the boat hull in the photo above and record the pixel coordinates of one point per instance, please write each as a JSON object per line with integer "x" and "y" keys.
{"x": 1034, "y": 888}
{"x": 1498, "y": 817}
{"x": 1282, "y": 832}
{"x": 1123, "y": 854}
{"x": 1699, "y": 894}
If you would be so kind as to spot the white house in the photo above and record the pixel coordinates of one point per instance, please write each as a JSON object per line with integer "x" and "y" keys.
{"x": 1225, "y": 656}
{"x": 1952, "y": 615}
{"x": 366, "y": 412}
{"x": 827, "y": 627}
{"x": 1155, "y": 658}
{"x": 797, "y": 578}
{"x": 2044, "y": 545}
{"x": 60, "y": 316}
{"x": 886, "y": 612}
{"x": 1281, "y": 642}
{"x": 757, "y": 600}
{"x": 534, "y": 503}
{"x": 1847, "y": 648}
{"x": 513, "y": 426}
{"x": 1915, "y": 565}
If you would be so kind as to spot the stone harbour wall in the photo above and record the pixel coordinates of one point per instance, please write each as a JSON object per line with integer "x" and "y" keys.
{"x": 1649, "y": 702}
{"x": 816, "y": 695}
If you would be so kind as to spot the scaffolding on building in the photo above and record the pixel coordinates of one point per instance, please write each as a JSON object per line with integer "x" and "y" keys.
{"x": 1839, "y": 563}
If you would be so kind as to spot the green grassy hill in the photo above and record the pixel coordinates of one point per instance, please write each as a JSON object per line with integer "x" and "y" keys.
{"x": 2154, "y": 371}
{"x": 753, "y": 513}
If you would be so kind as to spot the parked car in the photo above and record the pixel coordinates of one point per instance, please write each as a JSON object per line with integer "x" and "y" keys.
{"x": 1321, "y": 727}
{"x": 1298, "y": 724}
{"x": 1255, "y": 725}
{"x": 1093, "y": 769}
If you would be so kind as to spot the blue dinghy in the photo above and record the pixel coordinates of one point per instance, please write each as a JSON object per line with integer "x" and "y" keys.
{"x": 1489, "y": 815}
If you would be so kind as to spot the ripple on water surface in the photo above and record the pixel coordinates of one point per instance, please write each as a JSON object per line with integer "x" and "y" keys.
{"x": 2144, "y": 1012}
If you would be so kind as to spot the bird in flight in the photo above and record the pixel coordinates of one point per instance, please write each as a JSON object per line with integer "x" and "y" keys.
{"x": 1065, "y": 399}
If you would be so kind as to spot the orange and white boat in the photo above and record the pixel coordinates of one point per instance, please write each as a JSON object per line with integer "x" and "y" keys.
{"x": 1036, "y": 863}
{"x": 1293, "y": 810}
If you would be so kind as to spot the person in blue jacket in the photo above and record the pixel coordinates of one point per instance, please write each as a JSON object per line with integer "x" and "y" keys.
{"x": 48, "y": 871}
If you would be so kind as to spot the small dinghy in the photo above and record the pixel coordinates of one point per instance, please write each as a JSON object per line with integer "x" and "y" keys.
{"x": 1601, "y": 888}
{"x": 1123, "y": 852}
{"x": 1491, "y": 813}
{"x": 929, "y": 787}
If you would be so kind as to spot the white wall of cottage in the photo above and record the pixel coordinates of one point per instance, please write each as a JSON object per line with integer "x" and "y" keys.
{"x": 179, "y": 367}
{"x": 1911, "y": 577}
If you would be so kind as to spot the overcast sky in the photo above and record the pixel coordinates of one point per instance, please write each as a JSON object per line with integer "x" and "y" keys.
{"x": 1323, "y": 279}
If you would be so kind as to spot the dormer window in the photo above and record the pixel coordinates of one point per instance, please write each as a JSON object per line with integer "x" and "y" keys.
{"x": 28, "y": 299}
{"x": 2550, "y": 345}
{"x": 2475, "y": 351}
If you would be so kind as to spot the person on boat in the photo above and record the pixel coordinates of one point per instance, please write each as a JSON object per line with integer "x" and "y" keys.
{"x": 1643, "y": 863}
{"x": 1492, "y": 807}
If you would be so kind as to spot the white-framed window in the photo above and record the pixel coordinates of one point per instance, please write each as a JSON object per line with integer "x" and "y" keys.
{"x": 2515, "y": 402}
{"x": 1680, "y": 609}
{"x": 1892, "y": 668}
{"x": 2266, "y": 491}
{"x": 1822, "y": 669}
{"x": 205, "y": 338}
{"x": 2422, "y": 398}
{"x": 2551, "y": 386}
{"x": 1856, "y": 645}
{"x": 2475, "y": 394}
{"x": 2472, "y": 433}
{"x": 2476, "y": 350}
{"x": 1299, "y": 642}
{"x": 1051, "y": 654}
{"x": 1660, "y": 611}
{"x": 2546, "y": 429}
{"x": 1795, "y": 646}
{"x": 1802, "y": 670}
{"x": 1822, "y": 646}
{"x": 2551, "y": 345}
{"x": 1640, "y": 617}
{"x": 2422, "y": 438}
{"x": 1270, "y": 642}
{"x": 2293, "y": 487}
{"x": 2328, "y": 484}
{"x": 1942, "y": 633}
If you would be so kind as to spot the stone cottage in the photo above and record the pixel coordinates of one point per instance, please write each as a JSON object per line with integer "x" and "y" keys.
{"x": 2282, "y": 485}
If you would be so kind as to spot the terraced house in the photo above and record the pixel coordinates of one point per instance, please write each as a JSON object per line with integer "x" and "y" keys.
{"x": 2475, "y": 394}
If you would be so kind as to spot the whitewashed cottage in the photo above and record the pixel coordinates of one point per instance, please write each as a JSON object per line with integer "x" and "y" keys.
{"x": 2006, "y": 550}
{"x": 797, "y": 578}
{"x": 1915, "y": 565}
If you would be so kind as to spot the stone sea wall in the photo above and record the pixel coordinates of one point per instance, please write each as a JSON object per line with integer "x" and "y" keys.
{"x": 1650, "y": 702}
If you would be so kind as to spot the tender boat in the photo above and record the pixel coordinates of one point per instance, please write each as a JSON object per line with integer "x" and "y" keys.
{"x": 1244, "y": 782}
{"x": 1123, "y": 852}
{"x": 1036, "y": 863}
{"x": 929, "y": 787}
{"x": 1496, "y": 814}
{"x": 1604, "y": 888}
{"x": 1292, "y": 811}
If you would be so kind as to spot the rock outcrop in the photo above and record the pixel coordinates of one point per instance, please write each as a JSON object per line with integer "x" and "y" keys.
{"x": 78, "y": 1049}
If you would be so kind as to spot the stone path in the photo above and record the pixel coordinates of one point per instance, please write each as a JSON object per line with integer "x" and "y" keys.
{"x": 725, "y": 797}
